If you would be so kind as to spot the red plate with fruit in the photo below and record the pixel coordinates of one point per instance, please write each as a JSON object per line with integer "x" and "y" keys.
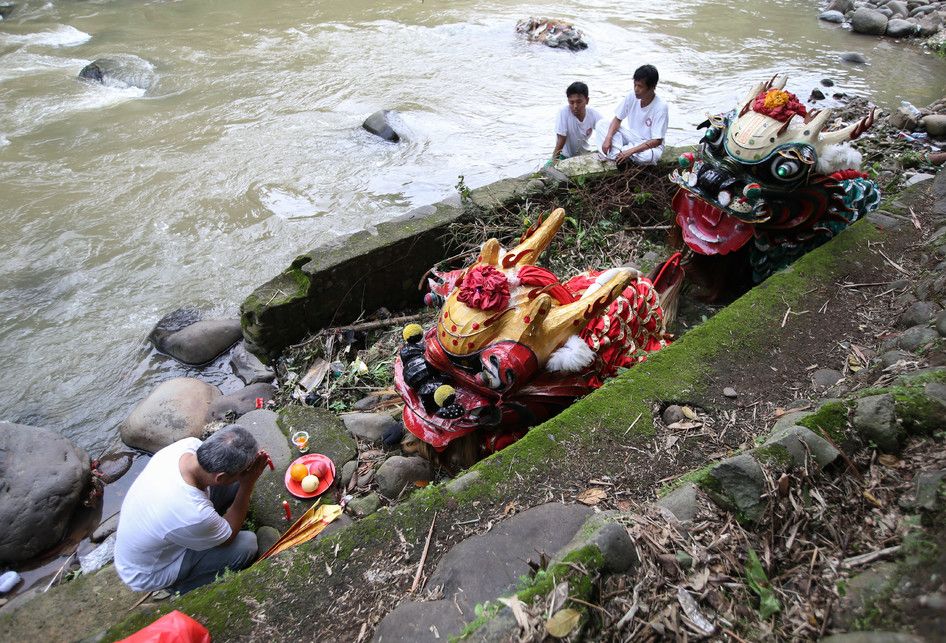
{"x": 316, "y": 464}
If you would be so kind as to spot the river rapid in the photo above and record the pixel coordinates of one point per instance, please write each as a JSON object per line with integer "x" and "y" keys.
{"x": 119, "y": 205}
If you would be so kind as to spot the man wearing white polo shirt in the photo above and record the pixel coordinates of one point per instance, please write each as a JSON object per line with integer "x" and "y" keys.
{"x": 575, "y": 123}
{"x": 641, "y": 140}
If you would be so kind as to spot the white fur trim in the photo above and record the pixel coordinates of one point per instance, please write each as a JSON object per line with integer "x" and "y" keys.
{"x": 838, "y": 157}
{"x": 574, "y": 356}
{"x": 512, "y": 276}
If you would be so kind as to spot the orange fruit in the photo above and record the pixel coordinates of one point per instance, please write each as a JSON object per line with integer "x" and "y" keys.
{"x": 298, "y": 471}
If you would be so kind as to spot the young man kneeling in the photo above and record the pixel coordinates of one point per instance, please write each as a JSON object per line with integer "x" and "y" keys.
{"x": 575, "y": 123}
{"x": 642, "y": 139}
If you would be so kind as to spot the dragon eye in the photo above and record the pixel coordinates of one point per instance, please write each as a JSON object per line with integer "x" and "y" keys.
{"x": 786, "y": 169}
{"x": 714, "y": 135}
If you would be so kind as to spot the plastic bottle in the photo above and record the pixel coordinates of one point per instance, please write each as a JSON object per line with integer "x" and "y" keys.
{"x": 910, "y": 108}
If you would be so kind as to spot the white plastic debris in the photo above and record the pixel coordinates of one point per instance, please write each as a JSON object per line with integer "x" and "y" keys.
{"x": 8, "y": 581}
{"x": 98, "y": 557}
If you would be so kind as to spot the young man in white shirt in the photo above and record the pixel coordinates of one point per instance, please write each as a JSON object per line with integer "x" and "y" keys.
{"x": 576, "y": 121}
{"x": 642, "y": 139}
{"x": 180, "y": 522}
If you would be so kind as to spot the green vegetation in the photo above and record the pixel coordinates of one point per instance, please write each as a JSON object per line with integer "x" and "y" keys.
{"x": 829, "y": 421}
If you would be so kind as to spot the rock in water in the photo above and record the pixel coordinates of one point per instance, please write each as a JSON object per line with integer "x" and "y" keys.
{"x": 248, "y": 367}
{"x": 121, "y": 71}
{"x": 935, "y": 124}
{"x": 242, "y": 401}
{"x": 44, "y": 479}
{"x": 6, "y": 8}
{"x": 182, "y": 335}
{"x": 852, "y": 57}
{"x": 379, "y": 124}
{"x": 899, "y": 28}
{"x": 868, "y": 21}
{"x": 176, "y": 409}
{"x": 831, "y": 16}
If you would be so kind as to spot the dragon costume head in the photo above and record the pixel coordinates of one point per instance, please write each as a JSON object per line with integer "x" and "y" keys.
{"x": 768, "y": 172}
{"x": 513, "y": 345}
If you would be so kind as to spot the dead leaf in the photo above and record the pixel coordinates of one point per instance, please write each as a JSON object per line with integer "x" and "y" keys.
{"x": 518, "y": 609}
{"x": 698, "y": 580}
{"x": 562, "y": 622}
{"x": 888, "y": 460}
{"x": 872, "y": 499}
{"x": 779, "y": 412}
{"x": 684, "y": 425}
{"x": 624, "y": 505}
{"x": 783, "y": 484}
{"x": 510, "y": 508}
{"x": 421, "y": 483}
{"x": 690, "y": 413}
{"x": 558, "y": 596}
{"x": 592, "y": 496}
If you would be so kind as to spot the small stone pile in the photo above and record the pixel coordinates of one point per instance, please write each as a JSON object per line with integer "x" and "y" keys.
{"x": 893, "y": 18}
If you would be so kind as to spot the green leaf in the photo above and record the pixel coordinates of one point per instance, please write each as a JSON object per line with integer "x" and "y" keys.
{"x": 759, "y": 583}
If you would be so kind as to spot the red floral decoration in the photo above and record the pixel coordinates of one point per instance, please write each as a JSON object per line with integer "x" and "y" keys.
{"x": 485, "y": 288}
{"x": 779, "y": 104}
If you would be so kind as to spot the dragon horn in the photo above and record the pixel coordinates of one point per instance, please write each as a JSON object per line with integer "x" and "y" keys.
{"x": 489, "y": 253}
{"x": 779, "y": 81}
{"x": 850, "y": 132}
{"x": 747, "y": 101}
{"x": 569, "y": 319}
{"x": 818, "y": 123}
{"x": 535, "y": 241}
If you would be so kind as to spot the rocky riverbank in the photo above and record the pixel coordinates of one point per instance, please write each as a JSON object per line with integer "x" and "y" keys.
{"x": 920, "y": 19}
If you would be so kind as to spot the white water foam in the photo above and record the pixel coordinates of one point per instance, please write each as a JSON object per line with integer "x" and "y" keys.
{"x": 62, "y": 36}
{"x": 24, "y": 63}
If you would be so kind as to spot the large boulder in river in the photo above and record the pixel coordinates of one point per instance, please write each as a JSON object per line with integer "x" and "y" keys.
{"x": 868, "y": 21}
{"x": 121, "y": 71}
{"x": 6, "y": 8}
{"x": 175, "y": 410}
{"x": 44, "y": 478}
{"x": 380, "y": 124}
{"x": 182, "y": 335}
{"x": 843, "y": 6}
{"x": 242, "y": 401}
{"x": 899, "y": 28}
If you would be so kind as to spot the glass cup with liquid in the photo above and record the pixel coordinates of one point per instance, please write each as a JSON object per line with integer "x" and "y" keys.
{"x": 301, "y": 440}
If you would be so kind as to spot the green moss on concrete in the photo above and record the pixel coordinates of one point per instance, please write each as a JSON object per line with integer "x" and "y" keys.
{"x": 774, "y": 456}
{"x": 829, "y": 421}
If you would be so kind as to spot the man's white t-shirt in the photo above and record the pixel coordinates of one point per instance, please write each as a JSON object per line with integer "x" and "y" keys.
{"x": 576, "y": 132}
{"x": 646, "y": 122}
{"x": 162, "y": 516}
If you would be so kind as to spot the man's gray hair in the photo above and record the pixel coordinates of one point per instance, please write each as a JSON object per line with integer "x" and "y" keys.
{"x": 229, "y": 450}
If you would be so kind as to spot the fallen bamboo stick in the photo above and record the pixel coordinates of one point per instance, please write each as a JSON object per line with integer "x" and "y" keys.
{"x": 423, "y": 556}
